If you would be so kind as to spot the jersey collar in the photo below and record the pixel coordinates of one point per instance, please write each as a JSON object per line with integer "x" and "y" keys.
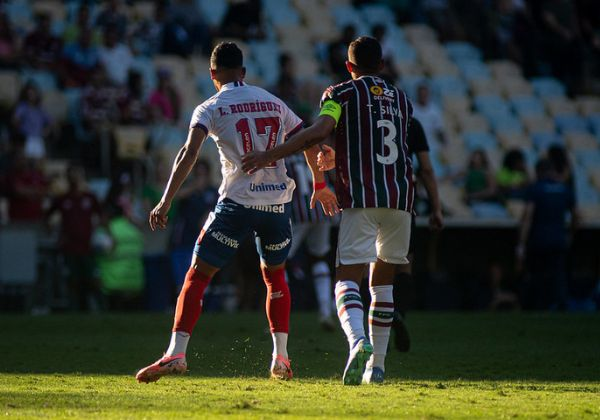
{"x": 232, "y": 85}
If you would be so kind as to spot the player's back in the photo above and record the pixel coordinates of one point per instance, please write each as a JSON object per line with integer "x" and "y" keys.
{"x": 374, "y": 168}
{"x": 242, "y": 118}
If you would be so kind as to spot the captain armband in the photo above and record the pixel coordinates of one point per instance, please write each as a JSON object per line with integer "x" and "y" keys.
{"x": 333, "y": 109}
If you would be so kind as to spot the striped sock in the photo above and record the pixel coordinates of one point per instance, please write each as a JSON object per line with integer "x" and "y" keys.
{"x": 350, "y": 310}
{"x": 381, "y": 315}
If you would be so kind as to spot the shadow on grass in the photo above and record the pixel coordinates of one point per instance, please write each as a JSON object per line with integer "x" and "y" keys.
{"x": 446, "y": 347}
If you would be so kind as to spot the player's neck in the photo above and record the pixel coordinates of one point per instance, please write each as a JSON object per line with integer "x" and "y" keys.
{"x": 225, "y": 81}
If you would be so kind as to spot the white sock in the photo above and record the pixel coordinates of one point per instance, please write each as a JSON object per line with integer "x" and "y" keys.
{"x": 179, "y": 343}
{"x": 381, "y": 315}
{"x": 350, "y": 310}
{"x": 280, "y": 344}
{"x": 322, "y": 280}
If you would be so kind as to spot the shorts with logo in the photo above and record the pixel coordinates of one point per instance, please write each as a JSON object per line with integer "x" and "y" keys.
{"x": 368, "y": 234}
{"x": 229, "y": 224}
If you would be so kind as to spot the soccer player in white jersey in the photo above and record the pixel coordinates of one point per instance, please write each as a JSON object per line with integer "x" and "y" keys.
{"x": 240, "y": 118}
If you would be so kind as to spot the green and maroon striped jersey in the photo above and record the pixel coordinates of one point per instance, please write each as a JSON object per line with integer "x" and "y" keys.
{"x": 373, "y": 165}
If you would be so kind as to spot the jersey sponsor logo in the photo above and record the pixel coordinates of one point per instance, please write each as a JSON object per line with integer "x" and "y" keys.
{"x": 382, "y": 94}
{"x": 262, "y": 187}
{"x": 279, "y": 246}
{"x": 270, "y": 208}
{"x": 258, "y": 106}
{"x": 376, "y": 90}
{"x": 225, "y": 240}
{"x": 276, "y": 295}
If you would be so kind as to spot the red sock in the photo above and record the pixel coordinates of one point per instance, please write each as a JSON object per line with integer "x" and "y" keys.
{"x": 189, "y": 302}
{"x": 279, "y": 301}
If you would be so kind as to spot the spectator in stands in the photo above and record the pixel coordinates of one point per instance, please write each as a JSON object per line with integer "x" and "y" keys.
{"x": 79, "y": 214}
{"x": 287, "y": 87}
{"x": 121, "y": 269}
{"x": 430, "y": 116}
{"x": 73, "y": 31}
{"x": 31, "y": 122}
{"x": 338, "y": 53}
{"x": 480, "y": 184}
{"x": 133, "y": 105}
{"x": 99, "y": 101}
{"x": 185, "y": 30}
{"x": 563, "y": 42}
{"x": 559, "y": 158}
{"x": 544, "y": 239}
{"x": 113, "y": 17}
{"x": 80, "y": 59}
{"x": 512, "y": 179}
{"x": 8, "y": 43}
{"x": 513, "y": 34}
{"x": 147, "y": 35}
{"x": 115, "y": 56}
{"x": 41, "y": 49}
{"x": 165, "y": 101}
{"x": 243, "y": 20}
{"x": 197, "y": 198}
{"x": 27, "y": 189}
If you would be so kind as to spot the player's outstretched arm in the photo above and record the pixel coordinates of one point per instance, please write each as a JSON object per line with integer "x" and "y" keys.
{"x": 182, "y": 166}
{"x": 316, "y": 133}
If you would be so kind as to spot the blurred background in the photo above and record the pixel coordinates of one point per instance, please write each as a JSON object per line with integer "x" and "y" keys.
{"x": 96, "y": 97}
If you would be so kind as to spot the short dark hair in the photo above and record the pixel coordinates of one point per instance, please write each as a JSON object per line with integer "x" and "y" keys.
{"x": 226, "y": 55}
{"x": 543, "y": 168}
{"x": 365, "y": 53}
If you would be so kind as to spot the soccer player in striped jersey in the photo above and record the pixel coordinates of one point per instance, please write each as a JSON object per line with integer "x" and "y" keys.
{"x": 310, "y": 226}
{"x": 240, "y": 118}
{"x": 374, "y": 186}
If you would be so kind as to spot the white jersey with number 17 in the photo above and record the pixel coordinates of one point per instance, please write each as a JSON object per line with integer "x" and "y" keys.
{"x": 242, "y": 118}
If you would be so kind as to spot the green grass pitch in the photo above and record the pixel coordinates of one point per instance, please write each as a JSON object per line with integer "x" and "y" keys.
{"x": 460, "y": 366}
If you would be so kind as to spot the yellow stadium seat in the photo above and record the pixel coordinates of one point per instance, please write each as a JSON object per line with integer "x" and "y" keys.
{"x": 131, "y": 141}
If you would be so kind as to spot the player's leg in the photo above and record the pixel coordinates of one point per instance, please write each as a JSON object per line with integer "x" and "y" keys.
{"x": 273, "y": 242}
{"x": 216, "y": 244}
{"x": 318, "y": 246}
{"x": 392, "y": 249}
{"x": 356, "y": 248}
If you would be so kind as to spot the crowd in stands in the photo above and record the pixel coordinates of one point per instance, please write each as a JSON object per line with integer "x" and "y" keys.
{"x": 103, "y": 91}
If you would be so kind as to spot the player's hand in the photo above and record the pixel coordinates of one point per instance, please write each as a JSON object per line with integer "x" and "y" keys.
{"x": 436, "y": 220}
{"x": 327, "y": 199}
{"x": 326, "y": 158}
{"x": 158, "y": 216}
{"x": 253, "y": 161}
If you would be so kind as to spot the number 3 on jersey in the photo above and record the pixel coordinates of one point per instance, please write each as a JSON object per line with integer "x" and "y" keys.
{"x": 389, "y": 141}
{"x": 267, "y": 128}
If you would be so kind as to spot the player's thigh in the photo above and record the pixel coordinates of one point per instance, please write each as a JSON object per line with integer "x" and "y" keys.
{"x": 222, "y": 233}
{"x": 317, "y": 239}
{"x": 299, "y": 231}
{"x": 356, "y": 238}
{"x": 273, "y": 232}
{"x": 393, "y": 239}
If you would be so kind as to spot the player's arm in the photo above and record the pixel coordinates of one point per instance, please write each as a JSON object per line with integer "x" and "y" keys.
{"x": 524, "y": 229}
{"x": 321, "y": 192}
{"x": 427, "y": 176}
{"x": 184, "y": 162}
{"x": 303, "y": 140}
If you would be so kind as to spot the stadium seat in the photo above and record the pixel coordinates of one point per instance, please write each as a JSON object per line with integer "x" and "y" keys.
{"x": 472, "y": 123}
{"x": 485, "y": 87}
{"x": 213, "y": 11}
{"x": 538, "y": 124}
{"x": 546, "y": 87}
{"x": 588, "y": 159}
{"x": 417, "y": 33}
{"x": 404, "y": 53}
{"x": 410, "y": 84}
{"x": 543, "y": 140}
{"x": 11, "y": 84}
{"x": 474, "y": 141}
{"x": 56, "y": 105}
{"x": 511, "y": 86}
{"x": 456, "y": 104}
{"x": 588, "y": 105}
{"x": 448, "y": 85}
{"x": 374, "y": 14}
{"x": 506, "y": 124}
{"x": 510, "y": 140}
{"x": 473, "y": 69}
{"x": 485, "y": 210}
{"x": 504, "y": 68}
{"x": 491, "y": 106}
{"x": 344, "y": 15}
{"x": 453, "y": 202}
{"x": 54, "y": 8}
{"x": 580, "y": 141}
{"x": 44, "y": 80}
{"x": 594, "y": 175}
{"x": 131, "y": 141}
{"x": 268, "y": 64}
{"x": 441, "y": 68}
{"x": 569, "y": 123}
{"x": 527, "y": 105}
{"x": 594, "y": 121}
{"x": 458, "y": 50}
{"x": 280, "y": 13}
{"x": 560, "y": 106}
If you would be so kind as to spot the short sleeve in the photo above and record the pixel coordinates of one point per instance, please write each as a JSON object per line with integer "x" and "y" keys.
{"x": 416, "y": 139}
{"x": 291, "y": 122}
{"x": 202, "y": 117}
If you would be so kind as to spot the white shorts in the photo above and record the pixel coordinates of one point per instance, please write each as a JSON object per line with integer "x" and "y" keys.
{"x": 316, "y": 236}
{"x": 368, "y": 234}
